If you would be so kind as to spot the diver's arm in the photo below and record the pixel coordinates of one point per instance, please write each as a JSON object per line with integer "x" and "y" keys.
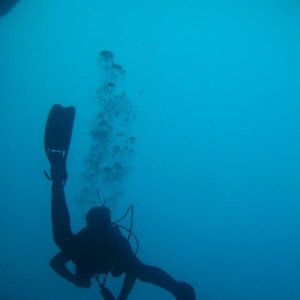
{"x": 127, "y": 286}
{"x": 58, "y": 264}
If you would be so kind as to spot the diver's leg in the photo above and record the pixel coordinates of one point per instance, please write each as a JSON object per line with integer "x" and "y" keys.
{"x": 60, "y": 217}
{"x": 157, "y": 276}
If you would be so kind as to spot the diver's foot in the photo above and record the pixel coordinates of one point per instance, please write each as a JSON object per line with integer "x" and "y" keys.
{"x": 185, "y": 291}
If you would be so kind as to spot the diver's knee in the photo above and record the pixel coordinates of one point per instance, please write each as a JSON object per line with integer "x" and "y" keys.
{"x": 185, "y": 291}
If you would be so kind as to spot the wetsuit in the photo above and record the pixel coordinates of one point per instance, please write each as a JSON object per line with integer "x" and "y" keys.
{"x": 97, "y": 254}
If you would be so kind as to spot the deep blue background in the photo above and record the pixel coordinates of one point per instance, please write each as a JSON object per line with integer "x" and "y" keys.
{"x": 217, "y": 167}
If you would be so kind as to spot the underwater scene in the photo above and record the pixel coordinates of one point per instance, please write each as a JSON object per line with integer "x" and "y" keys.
{"x": 186, "y": 126}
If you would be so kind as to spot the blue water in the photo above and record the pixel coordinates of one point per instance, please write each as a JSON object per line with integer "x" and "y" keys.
{"x": 216, "y": 171}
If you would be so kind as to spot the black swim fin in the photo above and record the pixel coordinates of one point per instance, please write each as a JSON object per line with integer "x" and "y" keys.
{"x": 58, "y": 131}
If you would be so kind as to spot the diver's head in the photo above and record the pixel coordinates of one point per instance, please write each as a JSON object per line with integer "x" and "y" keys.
{"x": 98, "y": 218}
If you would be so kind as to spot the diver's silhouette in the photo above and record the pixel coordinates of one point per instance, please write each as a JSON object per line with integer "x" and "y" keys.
{"x": 99, "y": 247}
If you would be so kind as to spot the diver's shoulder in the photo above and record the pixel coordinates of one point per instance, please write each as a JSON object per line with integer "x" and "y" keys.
{"x": 82, "y": 232}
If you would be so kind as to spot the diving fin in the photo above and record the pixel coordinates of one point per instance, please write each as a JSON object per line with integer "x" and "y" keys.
{"x": 58, "y": 131}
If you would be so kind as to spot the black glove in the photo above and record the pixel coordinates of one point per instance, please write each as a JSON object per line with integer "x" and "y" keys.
{"x": 58, "y": 167}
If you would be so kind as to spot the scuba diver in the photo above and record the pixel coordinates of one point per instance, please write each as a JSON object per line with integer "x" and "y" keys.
{"x": 100, "y": 247}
